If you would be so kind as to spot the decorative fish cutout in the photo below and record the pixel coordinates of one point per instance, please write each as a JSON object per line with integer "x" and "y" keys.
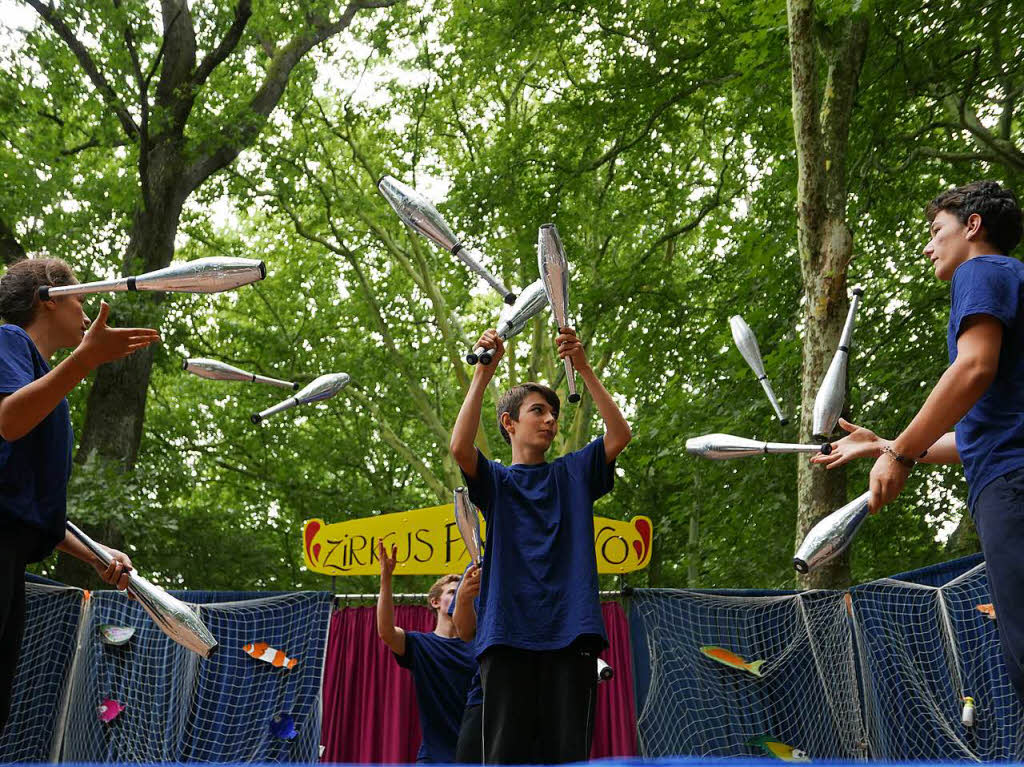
{"x": 731, "y": 659}
{"x": 276, "y": 658}
{"x": 283, "y": 726}
{"x": 115, "y": 635}
{"x": 778, "y": 749}
{"x": 109, "y": 709}
{"x": 987, "y": 609}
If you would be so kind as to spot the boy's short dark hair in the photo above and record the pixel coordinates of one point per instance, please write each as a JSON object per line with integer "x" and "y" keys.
{"x": 19, "y": 287}
{"x": 998, "y": 208}
{"x": 512, "y": 400}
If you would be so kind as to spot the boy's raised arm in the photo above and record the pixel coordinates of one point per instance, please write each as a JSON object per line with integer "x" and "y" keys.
{"x": 463, "y": 447}
{"x": 392, "y": 635}
{"x": 617, "y": 433}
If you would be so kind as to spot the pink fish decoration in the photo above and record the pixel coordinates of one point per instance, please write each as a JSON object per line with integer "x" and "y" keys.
{"x": 109, "y": 709}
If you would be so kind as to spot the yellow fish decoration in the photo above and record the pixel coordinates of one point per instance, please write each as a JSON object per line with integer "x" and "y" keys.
{"x": 731, "y": 659}
{"x": 778, "y": 749}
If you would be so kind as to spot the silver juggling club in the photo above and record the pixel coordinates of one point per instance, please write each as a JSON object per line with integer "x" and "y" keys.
{"x": 831, "y": 535}
{"x": 204, "y": 275}
{"x": 746, "y": 342}
{"x": 467, "y": 520}
{"x": 222, "y": 371}
{"x": 531, "y": 301}
{"x": 719, "y": 447}
{"x": 176, "y": 619}
{"x": 828, "y": 403}
{"x": 554, "y": 272}
{"x": 321, "y": 388}
{"x": 419, "y": 214}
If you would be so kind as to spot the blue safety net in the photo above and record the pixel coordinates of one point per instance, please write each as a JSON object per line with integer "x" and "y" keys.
{"x": 924, "y": 649}
{"x": 150, "y": 700}
{"x": 804, "y": 696}
{"x": 40, "y": 691}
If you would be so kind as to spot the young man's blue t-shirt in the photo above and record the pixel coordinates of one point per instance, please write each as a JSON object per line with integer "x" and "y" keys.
{"x": 990, "y": 438}
{"x": 35, "y": 469}
{"x": 441, "y": 670}
{"x": 539, "y": 588}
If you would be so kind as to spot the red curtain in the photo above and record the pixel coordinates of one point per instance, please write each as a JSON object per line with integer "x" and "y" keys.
{"x": 615, "y": 721}
{"x": 370, "y": 713}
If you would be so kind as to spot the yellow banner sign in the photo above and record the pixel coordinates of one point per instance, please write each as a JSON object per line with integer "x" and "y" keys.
{"x": 429, "y": 543}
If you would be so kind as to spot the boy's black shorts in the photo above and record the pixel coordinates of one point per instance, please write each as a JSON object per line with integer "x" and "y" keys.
{"x": 539, "y": 705}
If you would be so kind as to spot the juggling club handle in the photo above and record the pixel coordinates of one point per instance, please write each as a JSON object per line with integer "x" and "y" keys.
{"x": 570, "y": 377}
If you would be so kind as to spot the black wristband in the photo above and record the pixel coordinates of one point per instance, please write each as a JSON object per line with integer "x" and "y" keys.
{"x": 902, "y": 460}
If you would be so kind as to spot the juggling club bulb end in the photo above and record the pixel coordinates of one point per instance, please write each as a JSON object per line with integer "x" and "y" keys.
{"x": 381, "y": 180}
{"x": 263, "y": 270}
{"x": 510, "y": 298}
{"x": 256, "y": 418}
{"x": 574, "y": 397}
{"x": 212, "y": 651}
{"x": 800, "y": 566}
{"x": 472, "y": 359}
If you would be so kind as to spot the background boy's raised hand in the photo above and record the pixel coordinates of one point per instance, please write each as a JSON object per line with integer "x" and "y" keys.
{"x": 387, "y": 564}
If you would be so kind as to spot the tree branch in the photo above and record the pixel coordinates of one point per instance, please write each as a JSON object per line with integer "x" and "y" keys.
{"x": 266, "y": 97}
{"x": 621, "y": 145}
{"x": 398, "y": 444}
{"x": 110, "y": 97}
{"x": 243, "y": 12}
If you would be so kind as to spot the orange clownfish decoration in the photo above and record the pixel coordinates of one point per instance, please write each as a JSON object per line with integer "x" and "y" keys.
{"x": 264, "y": 652}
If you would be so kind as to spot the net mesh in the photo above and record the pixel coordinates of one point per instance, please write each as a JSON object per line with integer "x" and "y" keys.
{"x": 806, "y": 698}
{"x": 41, "y": 681}
{"x": 180, "y": 707}
{"x": 923, "y": 649}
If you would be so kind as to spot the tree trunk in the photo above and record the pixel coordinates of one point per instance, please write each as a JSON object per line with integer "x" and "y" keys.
{"x": 693, "y": 540}
{"x": 117, "y": 401}
{"x": 10, "y": 249}
{"x": 821, "y": 125}
{"x": 820, "y": 492}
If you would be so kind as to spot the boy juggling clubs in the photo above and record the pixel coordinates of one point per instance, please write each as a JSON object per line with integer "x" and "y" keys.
{"x": 36, "y": 439}
{"x": 981, "y": 394}
{"x": 539, "y": 628}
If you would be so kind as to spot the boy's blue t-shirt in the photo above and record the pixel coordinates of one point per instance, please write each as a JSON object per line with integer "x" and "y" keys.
{"x": 539, "y": 588}
{"x": 35, "y": 469}
{"x": 475, "y": 695}
{"x": 441, "y": 670}
{"x": 990, "y": 438}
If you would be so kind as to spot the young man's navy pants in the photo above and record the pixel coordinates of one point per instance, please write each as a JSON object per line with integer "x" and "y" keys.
{"x": 999, "y": 519}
